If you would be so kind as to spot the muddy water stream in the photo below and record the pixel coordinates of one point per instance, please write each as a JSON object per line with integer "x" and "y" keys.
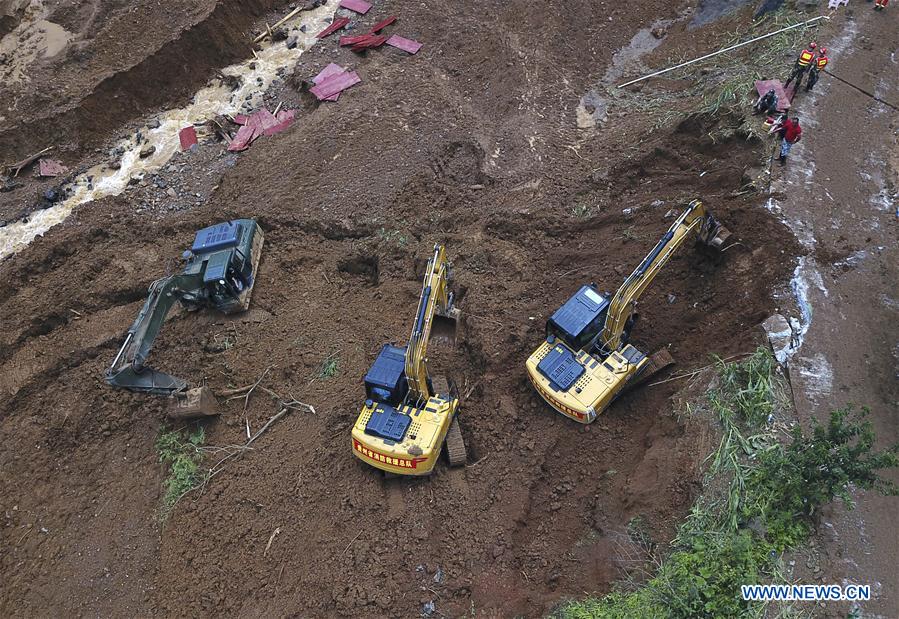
{"x": 101, "y": 181}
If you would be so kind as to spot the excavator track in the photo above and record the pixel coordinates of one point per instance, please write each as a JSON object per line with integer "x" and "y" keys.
{"x": 255, "y": 256}
{"x": 455, "y": 445}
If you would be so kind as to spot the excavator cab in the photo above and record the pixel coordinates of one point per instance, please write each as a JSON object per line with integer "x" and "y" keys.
{"x": 219, "y": 273}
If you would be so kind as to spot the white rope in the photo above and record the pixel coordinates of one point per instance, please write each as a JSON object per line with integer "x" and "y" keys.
{"x": 732, "y": 47}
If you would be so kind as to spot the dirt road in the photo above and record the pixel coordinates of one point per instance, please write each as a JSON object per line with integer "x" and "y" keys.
{"x": 840, "y": 194}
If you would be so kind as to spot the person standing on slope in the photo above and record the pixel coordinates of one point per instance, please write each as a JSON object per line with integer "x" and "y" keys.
{"x": 819, "y": 65}
{"x": 790, "y": 133}
{"x": 880, "y": 5}
{"x": 802, "y": 64}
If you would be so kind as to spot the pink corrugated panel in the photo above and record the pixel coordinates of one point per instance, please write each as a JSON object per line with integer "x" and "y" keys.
{"x": 360, "y": 6}
{"x": 407, "y": 45}
{"x": 243, "y": 139}
{"x": 51, "y": 167}
{"x": 331, "y": 69}
{"x": 335, "y": 84}
{"x": 262, "y": 119}
{"x": 285, "y": 119}
{"x": 188, "y": 137}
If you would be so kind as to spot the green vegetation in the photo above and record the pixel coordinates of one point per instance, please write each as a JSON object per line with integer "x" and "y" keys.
{"x": 329, "y": 366}
{"x": 393, "y": 236}
{"x": 761, "y": 498}
{"x": 180, "y": 450}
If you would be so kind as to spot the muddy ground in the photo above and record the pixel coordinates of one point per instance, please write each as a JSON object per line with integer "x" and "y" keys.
{"x": 473, "y": 143}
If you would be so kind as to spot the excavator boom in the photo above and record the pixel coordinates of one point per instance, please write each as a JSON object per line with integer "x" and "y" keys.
{"x": 694, "y": 219}
{"x": 435, "y": 300}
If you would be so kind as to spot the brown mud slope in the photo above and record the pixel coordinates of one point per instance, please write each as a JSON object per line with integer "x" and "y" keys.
{"x": 465, "y": 143}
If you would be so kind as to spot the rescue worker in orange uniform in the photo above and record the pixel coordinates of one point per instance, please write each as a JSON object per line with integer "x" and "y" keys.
{"x": 879, "y": 5}
{"x": 802, "y": 65}
{"x": 819, "y": 65}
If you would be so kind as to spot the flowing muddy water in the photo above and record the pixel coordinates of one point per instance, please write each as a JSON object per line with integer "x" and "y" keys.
{"x": 101, "y": 181}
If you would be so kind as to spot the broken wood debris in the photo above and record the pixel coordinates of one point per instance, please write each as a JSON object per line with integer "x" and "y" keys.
{"x": 51, "y": 168}
{"x": 27, "y": 161}
{"x": 407, "y": 45}
{"x": 359, "y": 6}
{"x": 336, "y": 25}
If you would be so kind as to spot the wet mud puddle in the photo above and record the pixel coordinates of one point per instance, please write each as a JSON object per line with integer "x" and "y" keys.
{"x": 256, "y": 74}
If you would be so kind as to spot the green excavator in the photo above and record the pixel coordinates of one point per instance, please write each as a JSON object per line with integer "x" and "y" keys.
{"x": 219, "y": 273}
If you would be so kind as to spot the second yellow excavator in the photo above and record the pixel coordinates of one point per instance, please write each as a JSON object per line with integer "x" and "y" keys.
{"x": 586, "y": 361}
{"x": 407, "y": 417}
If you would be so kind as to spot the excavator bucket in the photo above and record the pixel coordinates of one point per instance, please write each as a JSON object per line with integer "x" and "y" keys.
{"x": 193, "y": 403}
{"x": 713, "y": 234}
{"x": 446, "y": 328}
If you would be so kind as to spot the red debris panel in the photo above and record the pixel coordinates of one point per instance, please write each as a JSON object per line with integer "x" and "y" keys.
{"x": 360, "y": 6}
{"x": 335, "y": 84}
{"x": 51, "y": 167}
{"x": 285, "y": 119}
{"x": 336, "y": 25}
{"x": 262, "y": 122}
{"x": 243, "y": 139}
{"x": 188, "y": 138}
{"x": 369, "y": 42}
{"x": 241, "y": 119}
{"x": 407, "y": 45}
{"x": 329, "y": 71}
{"x": 352, "y": 40}
{"x": 382, "y": 24}
{"x": 783, "y": 97}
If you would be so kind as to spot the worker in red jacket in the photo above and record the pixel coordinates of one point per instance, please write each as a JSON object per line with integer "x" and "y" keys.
{"x": 819, "y": 65}
{"x": 802, "y": 64}
{"x": 880, "y": 5}
{"x": 790, "y": 133}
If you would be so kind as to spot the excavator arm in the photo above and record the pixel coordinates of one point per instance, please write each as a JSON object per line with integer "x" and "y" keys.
{"x": 693, "y": 220}
{"x": 435, "y": 300}
{"x": 128, "y": 369}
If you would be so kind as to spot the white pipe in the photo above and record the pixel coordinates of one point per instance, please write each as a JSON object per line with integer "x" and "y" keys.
{"x": 732, "y": 47}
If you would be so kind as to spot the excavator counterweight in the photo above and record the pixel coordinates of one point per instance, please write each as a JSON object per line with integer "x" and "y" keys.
{"x": 585, "y": 361}
{"x": 219, "y": 273}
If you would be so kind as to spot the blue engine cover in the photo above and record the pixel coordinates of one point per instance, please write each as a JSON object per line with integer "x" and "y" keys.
{"x": 388, "y": 423}
{"x": 582, "y": 315}
{"x": 386, "y": 379}
{"x": 560, "y": 368}
{"x": 219, "y": 236}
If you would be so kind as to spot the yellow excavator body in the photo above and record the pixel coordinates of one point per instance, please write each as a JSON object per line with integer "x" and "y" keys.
{"x": 585, "y": 361}
{"x": 601, "y": 382}
{"x": 408, "y": 417}
{"x": 419, "y": 450}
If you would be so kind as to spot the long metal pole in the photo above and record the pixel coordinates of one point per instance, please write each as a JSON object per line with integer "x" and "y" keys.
{"x": 732, "y": 47}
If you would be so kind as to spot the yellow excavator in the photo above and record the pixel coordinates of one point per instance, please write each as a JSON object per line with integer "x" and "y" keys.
{"x": 586, "y": 361}
{"x": 408, "y": 417}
